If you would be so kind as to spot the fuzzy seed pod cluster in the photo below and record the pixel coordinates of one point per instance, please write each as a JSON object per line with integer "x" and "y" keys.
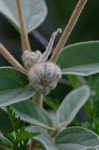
{"x": 44, "y": 77}
{"x": 30, "y": 58}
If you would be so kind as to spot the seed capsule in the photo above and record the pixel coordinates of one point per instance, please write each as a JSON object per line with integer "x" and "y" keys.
{"x": 30, "y": 58}
{"x": 44, "y": 77}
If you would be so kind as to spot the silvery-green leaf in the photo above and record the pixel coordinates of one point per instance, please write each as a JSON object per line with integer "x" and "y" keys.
{"x": 43, "y": 138}
{"x": 72, "y": 104}
{"x": 5, "y": 122}
{"x": 35, "y": 12}
{"x": 11, "y": 78}
{"x": 9, "y": 97}
{"x": 72, "y": 147}
{"x": 32, "y": 114}
{"x": 13, "y": 86}
{"x": 77, "y": 137}
{"x": 80, "y": 58}
{"x": 97, "y": 147}
{"x": 84, "y": 70}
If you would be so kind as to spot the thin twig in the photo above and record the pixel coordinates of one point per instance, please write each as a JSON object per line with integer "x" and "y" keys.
{"x": 70, "y": 26}
{"x": 24, "y": 35}
{"x": 6, "y": 54}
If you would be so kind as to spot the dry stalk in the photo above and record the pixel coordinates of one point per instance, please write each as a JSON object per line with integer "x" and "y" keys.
{"x": 7, "y": 55}
{"x": 24, "y": 35}
{"x": 69, "y": 28}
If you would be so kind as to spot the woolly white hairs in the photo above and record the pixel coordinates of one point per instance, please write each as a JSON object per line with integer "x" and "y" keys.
{"x": 30, "y": 58}
{"x": 44, "y": 77}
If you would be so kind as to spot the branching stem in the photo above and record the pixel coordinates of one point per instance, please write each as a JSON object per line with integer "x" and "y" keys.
{"x": 70, "y": 26}
{"x": 24, "y": 35}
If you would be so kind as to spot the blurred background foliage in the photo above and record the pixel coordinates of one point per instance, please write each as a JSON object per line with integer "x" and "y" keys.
{"x": 86, "y": 29}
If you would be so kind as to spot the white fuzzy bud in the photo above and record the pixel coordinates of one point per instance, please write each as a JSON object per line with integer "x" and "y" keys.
{"x": 44, "y": 77}
{"x": 30, "y": 58}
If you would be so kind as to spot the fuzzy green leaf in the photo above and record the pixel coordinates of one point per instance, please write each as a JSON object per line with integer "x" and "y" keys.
{"x": 5, "y": 122}
{"x": 43, "y": 138}
{"x": 13, "y": 86}
{"x": 72, "y": 104}
{"x": 73, "y": 147}
{"x": 35, "y": 12}
{"x": 14, "y": 96}
{"x": 11, "y": 78}
{"x": 32, "y": 114}
{"x": 77, "y": 138}
{"x": 80, "y": 58}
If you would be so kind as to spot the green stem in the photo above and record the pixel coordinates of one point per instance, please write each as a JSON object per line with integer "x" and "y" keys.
{"x": 38, "y": 100}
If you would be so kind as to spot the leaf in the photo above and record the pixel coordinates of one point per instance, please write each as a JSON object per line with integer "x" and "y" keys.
{"x": 4, "y": 141}
{"x": 80, "y": 58}
{"x": 72, "y": 147}
{"x": 24, "y": 135}
{"x": 5, "y": 122}
{"x": 11, "y": 78}
{"x": 84, "y": 70}
{"x": 77, "y": 138}
{"x": 71, "y": 105}
{"x": 32, "y": 114}
{"x": 43, "y": 138}
{"x": 35, "y": 12}
{"x": 14, "y": 96}
{"x": 13, "y": 86}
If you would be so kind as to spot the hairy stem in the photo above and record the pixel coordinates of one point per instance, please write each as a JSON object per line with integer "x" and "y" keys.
{"x": 24, "y": 35}
{"x": 6, "y": 54}
{"x": 67, "y": 32}
{"x": 38, "y": 99}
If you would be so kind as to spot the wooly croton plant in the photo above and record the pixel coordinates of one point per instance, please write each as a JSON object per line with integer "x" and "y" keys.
{"x": 24, "y": 124}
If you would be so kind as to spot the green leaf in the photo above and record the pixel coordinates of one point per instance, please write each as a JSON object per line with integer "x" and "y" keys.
{"x": 32, "y": 114}
{"x": 13, "y": 86}
{"x": 76, "y": 138}
{"x": 75, "y": 81}
{"x": 4, "y": 141}
{"x": 80, "y": 58}
{"x": 72, "y": 147}
{"x": 5, "y": 122}
{"x": 14, "y": 96}
{"x": 35, "y": 12}
{"x": 84, "y": 70}
{"x": 11, "y": 78}
{"x": 24, "y": 135}
{"x": 71, "y": 105}
{"x": 43, "y": 138}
